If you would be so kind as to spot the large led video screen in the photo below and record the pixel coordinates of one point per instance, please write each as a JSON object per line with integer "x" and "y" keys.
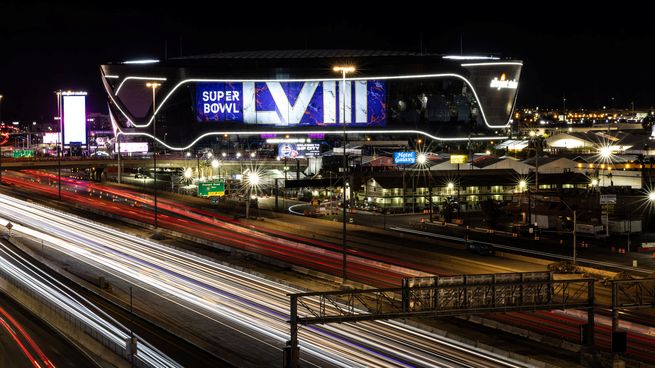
{"x": 74, "y": 109}
{"x": 298, "y": 103}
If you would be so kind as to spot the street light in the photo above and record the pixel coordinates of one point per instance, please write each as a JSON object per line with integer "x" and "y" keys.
{"x": 252, "y": 181}
{"x": 651, "y": 196}
{"x": 188, "y": 174}
{"x": 154, "y": 86}
{"x": 522, "y": 185}
{"x": 216, "y": 165}
{"x": 342, "y": 93}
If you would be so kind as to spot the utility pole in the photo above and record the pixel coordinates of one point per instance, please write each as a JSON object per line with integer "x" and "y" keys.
{"x": 154, "y": 86}
{"x": 344, "y": 70}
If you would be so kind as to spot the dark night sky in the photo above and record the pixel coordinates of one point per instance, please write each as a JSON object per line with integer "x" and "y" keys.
{"x": 589, "y": 55}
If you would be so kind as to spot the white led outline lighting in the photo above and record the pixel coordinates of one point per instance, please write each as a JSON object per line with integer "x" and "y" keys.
{"x": 112, "y": 76}
{"x": 418, "y": 76}
{"x": 329, "y": 132}
{"x": 469, "y": 57}
{"x": 139, "y": 78}
{"x": 494, "y": 64}
{"x": 140, "y": 61}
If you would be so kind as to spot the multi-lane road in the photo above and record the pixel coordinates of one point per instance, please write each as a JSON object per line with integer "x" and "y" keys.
{"x": 318, "y": 252}
{"x": 233, "y": 299}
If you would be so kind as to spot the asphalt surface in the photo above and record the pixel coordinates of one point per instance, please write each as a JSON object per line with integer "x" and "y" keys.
{"x": 56, "y": 348}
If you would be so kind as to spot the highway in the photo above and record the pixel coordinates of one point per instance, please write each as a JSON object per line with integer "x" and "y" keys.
{"x": 366, "y": 262}
{"x": 363, "y": 266}
{"x": 256, "y": 306}
{"x": 22, "y": 271}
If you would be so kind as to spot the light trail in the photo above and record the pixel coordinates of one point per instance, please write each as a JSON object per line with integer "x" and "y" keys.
{"x": 254, "y": 305}
{"x": 27, "y": 274}
{"x": 8, "y": 321}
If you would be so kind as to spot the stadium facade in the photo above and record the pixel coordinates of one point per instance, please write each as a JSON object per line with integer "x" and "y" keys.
{"x": 277, "y": 93}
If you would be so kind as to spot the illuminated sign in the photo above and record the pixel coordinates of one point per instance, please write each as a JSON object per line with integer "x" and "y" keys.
{"x": 18, "y": 153}
{"x": 303, "y": 103}
{"x": 212, "y": 189}
{"x": 288, "y": 140}
{"x": 130, "y": 147}
{"x": 74, "y": 117}
{"x": 503, "y": 83}
{"x": 51, "y": 138}
{"x": 459, "y": 159}
{"x": 299, "y": 150}
{"x": 404, "y": 158}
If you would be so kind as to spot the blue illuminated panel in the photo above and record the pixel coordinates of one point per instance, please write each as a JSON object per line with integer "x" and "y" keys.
{"x": 289, "y": 104}
{"x": 404, "y": 158}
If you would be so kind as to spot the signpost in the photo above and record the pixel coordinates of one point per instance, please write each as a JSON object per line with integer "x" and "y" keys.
{"x": 212, "y": 189}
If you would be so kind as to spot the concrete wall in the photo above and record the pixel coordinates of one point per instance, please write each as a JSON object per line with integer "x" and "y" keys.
{"x": 98, "y": 352}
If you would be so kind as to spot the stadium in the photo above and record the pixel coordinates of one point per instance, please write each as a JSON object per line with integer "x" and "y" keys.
{"x": 193, "y": 101}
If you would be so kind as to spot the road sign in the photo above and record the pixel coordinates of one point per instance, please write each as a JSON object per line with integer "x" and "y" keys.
{"x": 211, "y": 189}
{"x": 18, "y": 153}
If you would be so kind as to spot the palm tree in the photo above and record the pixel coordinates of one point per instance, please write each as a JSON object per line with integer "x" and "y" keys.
{"x": 450, "y": 205}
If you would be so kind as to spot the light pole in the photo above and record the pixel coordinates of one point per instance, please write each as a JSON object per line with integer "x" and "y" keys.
{"x": 342, "y": 93}
{"x": 153, "y": 86}
{"x": 1, "y": 96}
{"x": 60, "y": 143}
{"x": 533, "y": 134}
{"x": 188, "y": 174}
{"x": 422, "y": 159}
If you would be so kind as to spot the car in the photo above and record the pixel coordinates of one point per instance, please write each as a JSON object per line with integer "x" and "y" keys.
{"x": 483, "y": 249}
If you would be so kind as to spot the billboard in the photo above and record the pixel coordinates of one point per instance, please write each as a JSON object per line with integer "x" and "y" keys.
{"x": 297, "y": 103}
{"x": 74, "y": 118}
{"x": 298, "y": 150}
{"x": 404, "y": 158}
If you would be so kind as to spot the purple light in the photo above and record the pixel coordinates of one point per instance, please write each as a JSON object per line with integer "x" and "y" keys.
{"x": 74, "y": 119}
{"x": 267, "y": 136}
{"x": 316, "y": 136}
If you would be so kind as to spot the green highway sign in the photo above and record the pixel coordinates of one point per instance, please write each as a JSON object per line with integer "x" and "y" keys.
{"x": 212, "y": 189}
{"x": 18, "y": 153}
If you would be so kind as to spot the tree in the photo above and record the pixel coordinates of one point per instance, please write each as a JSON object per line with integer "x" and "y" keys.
{"x": 450, "y": 205}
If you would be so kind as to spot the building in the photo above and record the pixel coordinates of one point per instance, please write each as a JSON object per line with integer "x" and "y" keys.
{"x": 410, "y": 189}
{"x": 209, "y": 99}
